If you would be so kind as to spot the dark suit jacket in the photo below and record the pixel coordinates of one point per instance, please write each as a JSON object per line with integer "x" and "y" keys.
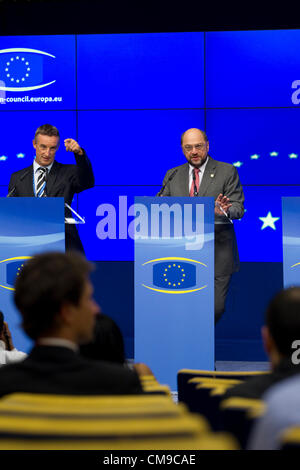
{"x": 255, "y": 387}
{"x": 218, "y": 178}
{"x": 63, "y": 181}
{"x": 59, "y": 370}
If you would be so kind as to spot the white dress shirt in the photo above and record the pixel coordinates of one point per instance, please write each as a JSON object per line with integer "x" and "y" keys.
{"x": 201, "y": 172}
{"x": 7, "y": 357}
{"x": 36, "y": 167}
{"x": 61, "y": 342}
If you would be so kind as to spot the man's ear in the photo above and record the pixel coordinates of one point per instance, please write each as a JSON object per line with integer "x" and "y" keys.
{"x": 34, "y": 144}
{"x": 66, "y": 313}
{"x": 267, "y": 339}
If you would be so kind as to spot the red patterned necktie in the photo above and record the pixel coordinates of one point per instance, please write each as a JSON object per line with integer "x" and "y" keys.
{"x": 195, "y": 183}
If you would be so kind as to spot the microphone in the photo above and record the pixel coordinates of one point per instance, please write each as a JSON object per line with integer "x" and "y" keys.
{"x": 195, "y": 186}
{"x": 11, "y": 192}
{"x": 222, "y": 210}
{"x": 14, "y": 188}
{"x": 168, "y": 181}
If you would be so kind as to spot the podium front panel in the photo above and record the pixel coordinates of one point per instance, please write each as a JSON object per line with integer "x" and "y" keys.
{"x": 28, "y": 226}
{"x": 174, "y": 285}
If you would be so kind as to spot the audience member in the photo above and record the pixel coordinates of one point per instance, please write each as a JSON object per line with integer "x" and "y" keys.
{"x": 108, "y": 345}
{"x": 55, "y": 299}
{"x": 8, "y": 353}
{"x": 282, "y": 411}
{"x": 282, "y": 327}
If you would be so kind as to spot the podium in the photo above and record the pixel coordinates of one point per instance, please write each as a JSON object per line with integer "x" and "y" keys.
{"x": 28, "y": 226}
{"x": 291, "y": 241}
{"x": 174, "y": 285}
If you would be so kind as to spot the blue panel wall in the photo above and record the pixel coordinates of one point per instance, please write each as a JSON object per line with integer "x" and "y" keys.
{"x": 138, "y": 71}
{"x": 262, "y": 143}
{"x": 251, "y": 68}
{"x": 135, "y": 147}
{"x": 128, "y": 97}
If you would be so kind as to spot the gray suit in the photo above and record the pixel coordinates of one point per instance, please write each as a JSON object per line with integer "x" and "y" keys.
{"x": 218, "y": 178}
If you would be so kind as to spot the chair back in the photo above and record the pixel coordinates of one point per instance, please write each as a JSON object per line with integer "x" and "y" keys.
{"x": 238, "y": 416}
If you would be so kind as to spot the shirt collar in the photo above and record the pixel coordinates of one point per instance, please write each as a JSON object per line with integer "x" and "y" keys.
{"x": 36, "y": 166}
{"x": 65, "y": 343}
{"x": 202, "y": 167}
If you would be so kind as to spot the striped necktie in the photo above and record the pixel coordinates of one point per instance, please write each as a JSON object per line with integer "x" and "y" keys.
{"x": 41, "y": 182}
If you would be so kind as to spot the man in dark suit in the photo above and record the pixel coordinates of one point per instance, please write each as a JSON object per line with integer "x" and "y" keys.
{"x": 280, "y": 336}
{"x": 55, "y": 299}
{"x": 202, "y": 176}
{"x": 47, "y": 177}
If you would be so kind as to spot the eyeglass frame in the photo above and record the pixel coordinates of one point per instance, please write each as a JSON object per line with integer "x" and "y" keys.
{"x": 200, "y": 146}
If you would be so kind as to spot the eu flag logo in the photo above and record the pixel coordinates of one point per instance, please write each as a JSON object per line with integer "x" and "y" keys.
{"x": 12, "y": 271}
{"x": 21, "y": 69}
{"x": 174, "y": 275}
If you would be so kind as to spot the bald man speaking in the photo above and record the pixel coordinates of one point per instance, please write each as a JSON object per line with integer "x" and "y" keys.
{"x": 202, "y": 176}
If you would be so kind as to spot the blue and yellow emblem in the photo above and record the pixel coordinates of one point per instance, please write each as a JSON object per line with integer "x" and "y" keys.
{"x": 12, "y": 267}
{"x": 175, "y": 275}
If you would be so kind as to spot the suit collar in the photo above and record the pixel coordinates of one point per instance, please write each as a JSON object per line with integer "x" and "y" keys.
{"x": 208, "y": 176}
{"x": 183, "y": 180}
{"x": 48, "y": 352}
{"x": 206, "y": 179}
{"x": 36, "y": 166}
{"x": 52, "y": 177}
{"x": 27, "y": 178}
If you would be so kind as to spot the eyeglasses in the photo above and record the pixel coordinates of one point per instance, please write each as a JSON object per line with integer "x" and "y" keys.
{"x": 189, "y": 148}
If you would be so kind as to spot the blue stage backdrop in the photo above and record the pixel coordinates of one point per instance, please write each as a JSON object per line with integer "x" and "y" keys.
{"x": 128, "y": 97}
{"x": 28, "y": 226}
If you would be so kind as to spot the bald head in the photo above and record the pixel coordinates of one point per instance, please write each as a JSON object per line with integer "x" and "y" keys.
{"x": 195, "y": 146}
{"x": 193, "y": 132}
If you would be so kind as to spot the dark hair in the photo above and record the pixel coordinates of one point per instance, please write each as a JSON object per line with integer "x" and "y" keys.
{"x": 46, "y": 129}
{"x": 108, "y": 343}
{"x": 283, "y": 319}
{"x": 1, "y": 321}
{"x": 44, "y": 284}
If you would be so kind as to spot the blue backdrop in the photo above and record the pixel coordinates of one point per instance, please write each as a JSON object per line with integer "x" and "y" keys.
{"x": 128, "y": 97}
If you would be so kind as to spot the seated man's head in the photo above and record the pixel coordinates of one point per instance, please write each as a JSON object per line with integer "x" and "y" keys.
{"x": 108, "y": 342}
{"x": 282, "y": 324}
{"x": 54, "y": 296}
